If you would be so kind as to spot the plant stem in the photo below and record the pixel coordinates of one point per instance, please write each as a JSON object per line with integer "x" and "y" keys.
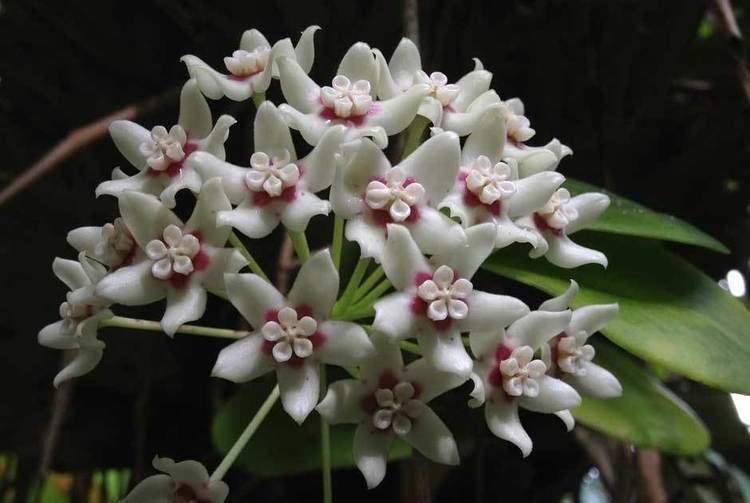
{"x": 155, "y": 326}
{"x": 374, "y": 295}
{"x": 258, "y": 99}
{"x": 371, "y": 280}
{"x": 301, "y": 248}
{"x": 410, "y": 347}
{"x": 414, "y": 135}
{"x": 246, "y": 435}
{"x": 325, "y": 446}
{"x": 351, "y": 287}
{"x": 235, "y": 241}
{"x": 338, "y": 240}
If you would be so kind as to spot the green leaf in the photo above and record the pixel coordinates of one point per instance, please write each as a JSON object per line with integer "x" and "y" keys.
{"x": 630, "y": 218}
{"x": 647, "y": 414}
{"x": 280, "y": 446}
{"x": 671, "y": 314}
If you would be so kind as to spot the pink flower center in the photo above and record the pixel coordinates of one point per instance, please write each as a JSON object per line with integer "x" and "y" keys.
{"x": 318, "y": 339}
{"x": 175, "y": 168}
{"x": 472, "y": 200}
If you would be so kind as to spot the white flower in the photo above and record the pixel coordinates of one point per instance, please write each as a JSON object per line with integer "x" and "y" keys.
{"x": 183, "y": 482}
{"x": 251, "y": 66}
{"x": 371, "y": 194}
{"x": 436, "y": 300}
{"x": 569, "y": 357}
{"x": 561, "y": 216}
{"x": 277, "y": 187}
{"x": 80, "y": 315}
{"x": 348, "y": 101}
{"x": 506, "y": 376}
{"x": 161, "y": 155}
{"x": 531, "y": 160}
{"x": 293, "y": 335}
{"x": 390, "y": 400}
{"x": 488, "y": 188}
{"x": 111, "y": 244}
{"x": 177, "y": 261}
{"x": 452, "y": 107}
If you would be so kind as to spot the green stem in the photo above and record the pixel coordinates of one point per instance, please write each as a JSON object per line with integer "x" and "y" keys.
{"x": 414, "y": 135}
{"x": 258, "y": 98}
{"x": 370, "y": 282}
{"x": 246, "y": 435}
{"x": 301, "y": 248}
{"x": 325, "y": 446}
{"x": 338, "y": 240}
{"x": 155, "y": 326}
{"x": 235, "y": 241}
{"x": 374, "y": 295}
{"x": 410, "y": 347}
{"x": 351, "y": 287}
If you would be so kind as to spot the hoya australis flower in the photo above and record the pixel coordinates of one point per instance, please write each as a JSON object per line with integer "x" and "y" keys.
{"x": 112, "y": 244}
{"x": 180, "y": 261}
{"x": 436, "y": 300}
{"x": 569, "y": 357}
{"x": 277, "y": 187}
{"x": 453, "y": 107}
{"x": 293, "y": 335}
{"x": 184, "y": 481}
{"x": 508, "y": 376}
{"x": 390, "y": 400}
{"x": 251, "y": 66}
{"x": 349, "y": 100}
{"x": 80, "y": 315}
{"x": 371, "y": 194}
{"x": 161, "y": 154}
{"x": 488, "y": 188}
{"x": 531, "y": 160}
{"x": 561, "y": 216}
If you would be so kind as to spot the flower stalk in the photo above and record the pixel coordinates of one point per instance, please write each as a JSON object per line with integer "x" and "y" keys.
{"x": 155, "y": 326}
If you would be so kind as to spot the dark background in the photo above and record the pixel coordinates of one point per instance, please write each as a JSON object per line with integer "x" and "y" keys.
{"x": 645, "y": 92}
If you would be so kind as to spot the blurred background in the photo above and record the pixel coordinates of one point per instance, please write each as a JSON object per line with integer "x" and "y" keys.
{"x": 651, "y": 95}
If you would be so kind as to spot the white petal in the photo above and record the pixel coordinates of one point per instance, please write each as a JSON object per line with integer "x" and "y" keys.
{"x": 563, "y": 252}
{"x": 385, "y": 88}
{"x": 270, "y": 132}
{"x": 70, "y": 272}
{"x": 482, "y": 343}
{"x": 554, "y": 396}
{"x": 282, "y": 351}
{"x": 445, "y": 351}
{"x": 132, "y": 285}
{"x": 463, "y": 123}
{"x": 320, "y": 163}
{"x": 395, "y": 115}
{"x": 214, "y": 142}
{"x": 145, "y": 216}
{"x": 85, "y": 238}
{"x": 222, "y": 261}
{"x": 232, "y": 177}
{"x": 567, "y": 418}
{"x": 300, "y": 388}
{"x": 346, "y": 344}
{"x": 489, "y": 311}
{"x": 154, "y": 489}
{"x": 369, "y": 236}
{"x": 488, "y": 138}
{"x": 211, "y": 200}
{"x": 394, "y": 317}
{"x": 195, "y": 116}
{"x": 466, "y": 259}
{"x": 434, "y": 164}
{"x": 465, "y": 214}
{"x": 361, "y": 162}
{"x": 537, "y": 327}
{"x": 311, "y": 125}
{"x": 370, "y": 451}
{"x": 435, "y": 233}
{"x": 404, "y": 64}
{"x": 597, "y": 383}
{"x": 84, "y": 362}
{"x": 343, "y": 402}
{"x": 128, "y": 137}
{"x": 502, "y": 420}
{"x": 55, "y": 337}
{"x": 183, "y": 306}
{"x": 243, "y": 360}
{"x": 589, "y": 207}
{"x": 252, "y": 221}
{"x": 297, "y": 214}
{"x": 359, "y": 64}
{"x": 316, "y": 285}
{"x": 432, "y": 383}
{"x": 563, "y": 301}
{"x": 471, "y": 86}
{"x": 431, "y": 437}
{"x": 300, "y": 91}
{"x": 533, "y": 192}
{"x": 591, "y": 319}
{"x": 254, "y": 297}
{"x": 402, "y": 259}
{"x": 304, "y": 51}
{"x": 140, "y": 182}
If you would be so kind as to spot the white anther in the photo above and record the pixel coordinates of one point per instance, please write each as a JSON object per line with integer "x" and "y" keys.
{"x": 173, "y": 254}
{"x": 246, "y": 63}
{"x": 271, "y": 174}
{"x": 490, "y": 183}
{"x": 397, "y": 407}
{"x": 572, "y": 356}
{"x": 346, "y": 98}
{"x": 396, "y": 195}
{"x": 521, "y": 373}
{"x": 439, "y": 88}
{"x": 290, "y": 334}
{"x": 557, "y": 213}
{"x": 446, "y": 298}
{"x": 164, "y": 147}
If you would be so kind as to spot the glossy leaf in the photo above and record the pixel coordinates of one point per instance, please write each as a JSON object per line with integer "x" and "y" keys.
{"x": 671, "y": 313}
{"x": 280, "y": 446}
{"x": 630, "y": 218}
{"x": 647, "y": 414}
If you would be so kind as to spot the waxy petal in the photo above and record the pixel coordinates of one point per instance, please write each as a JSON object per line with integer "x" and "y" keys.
{"x": 369, "y": 236}
{"x": 359, "y": 64}
{"x": 554, "y": 396}
{"x": 346, "y": 344}
{"x": 393, "y": 316}
{"x": 296, "y": 215}
{"x": 466, "y": 260}
{"x": 434, "y": 164}
{"x": 343, "y": 402}
{"x": 445, "y": 351}
{"x": 370, "y": 451}
{"x": 589, "y": 207}
{"x": 395, "y": 115}
{"x": 183, "y": 305}
{"x": 432, "y": 383}
{"x": 464, "y": 123}
{"x": 435, "y": 233}
{"x": 533, "y": 192}
{"x": 271, "y": 133}
{"x": 362, "y": 161}
{"x": 253, "y": 297}
{"x": 488, "y": 138}
{"x": 316, "y": 285}
{"x": 488, "y": 311}
{"x": 70, "y": 272}
{"x": 87, "y": 358}
{"x": 222, "y": 261}
{"x": 252, "y": 221}
{"x": 598, "y": 382}
{"x": 154, "y": 489}
{"x": 320, "y": 163}
{"x": 472, "y": 85}
{"x": 128, "y": 137}
{"x": 140, "y": 182}
{"x": 132, "y": 285}
{"x": 300, "y": 388}
{"x": 404, "y": 64}
{"x": 537, "y": 328}
{"x": 431, "y": 437}
{"x": 563, "y": 252}
{"x": 502, "y": 420}
{"x": 300, "y": 91}
{"x": 211, "y": 200}
{"x": 195, "y": 115}
{"x": 402, "y": 258}
{"x": 232, "y": 177}
{"x": 243, "y": 360}
{"x": 145, "y": 216}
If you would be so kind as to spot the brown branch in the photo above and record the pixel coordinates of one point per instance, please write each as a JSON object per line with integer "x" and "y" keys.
{"x": 285, "y": 265}
{"x": 727, "y": 24}
{"x": 649, "y": 467}
{"x": 60, "y": 402}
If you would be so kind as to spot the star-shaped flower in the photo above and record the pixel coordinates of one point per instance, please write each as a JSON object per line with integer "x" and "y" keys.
{"x": 80, "y": 315}
{"x": 349, "y": 100}
{"x": 161, "y": 154}
{"x": 389, "y": 400}
{"x": 560, "y": 217}
{"x": 179, "y": 261}
{"x": 568, "y": 356}
{"x": 111, "y": 244}
{"x": 251, "y": 66}
{"x": 277, "y": 187}
{"x": 488, "y": 188}
{"x": 293, "y": 335}
{"x": 452, "y": 107}
{"x": 436, "y": 300}
{"x": 371, "y": 194}
{"x": 186, "y": 481}
{"x": 507, "y": 376}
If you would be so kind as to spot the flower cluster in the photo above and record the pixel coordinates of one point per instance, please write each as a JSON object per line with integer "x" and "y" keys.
{"x": 428, "y": 221}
